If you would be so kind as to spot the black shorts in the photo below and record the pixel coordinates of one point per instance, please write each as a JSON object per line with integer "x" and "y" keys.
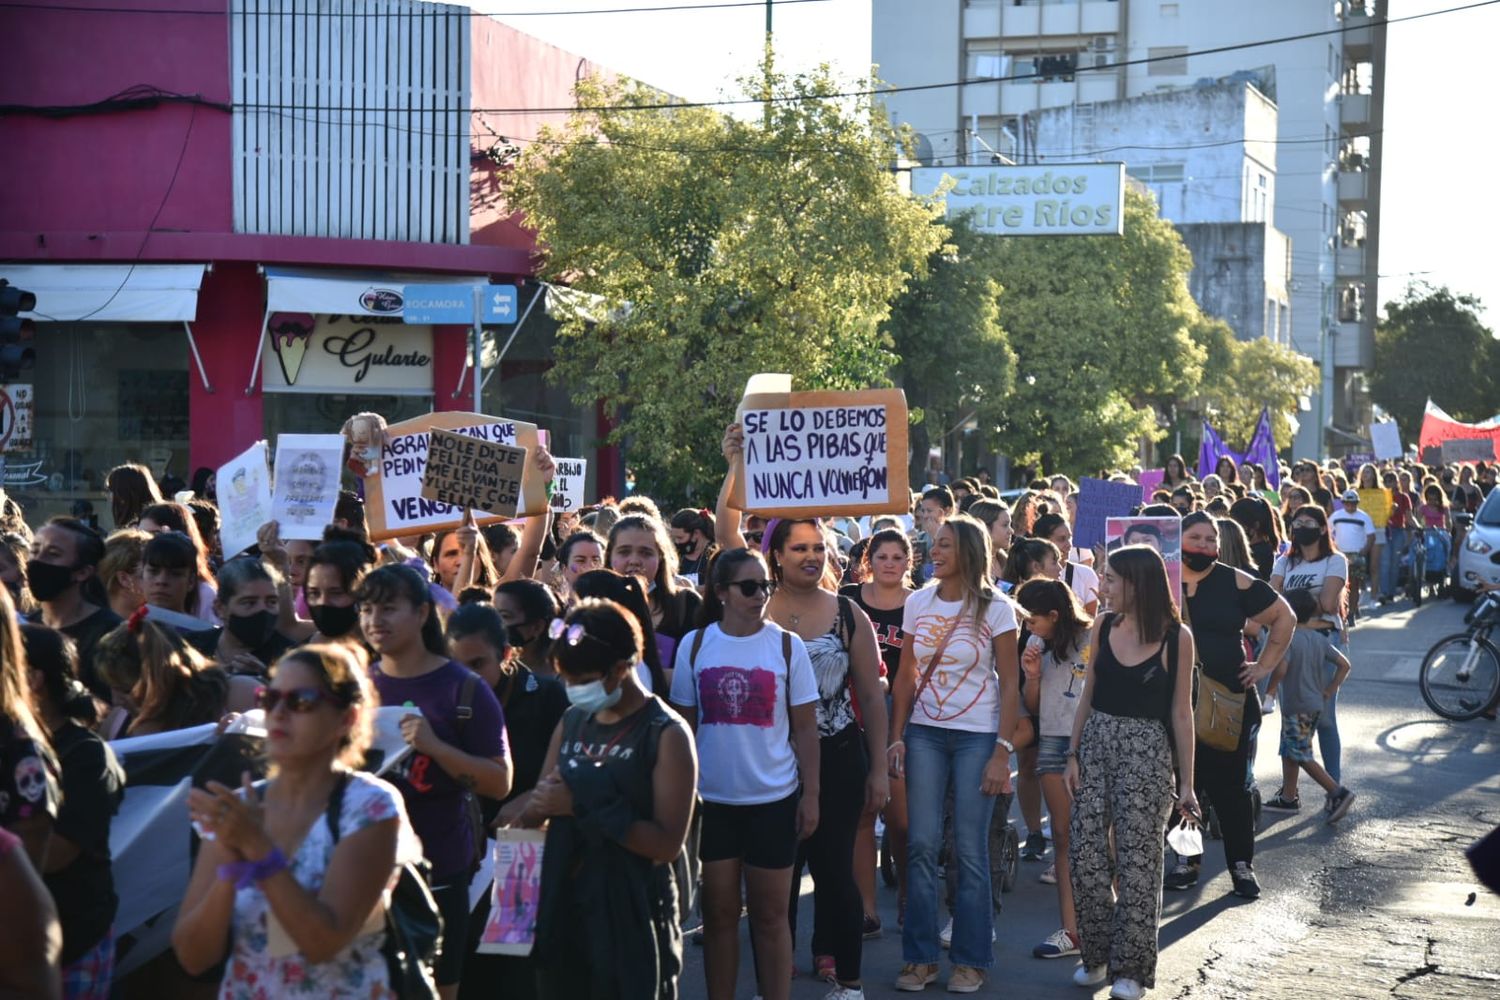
{"x": 453, "y": 904}
{"x": 762, "y": 836}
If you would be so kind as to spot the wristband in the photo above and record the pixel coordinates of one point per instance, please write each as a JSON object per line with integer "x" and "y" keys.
{"x": 1070, "y": 752}
{"x": 244, "y": 874}
{"x": 894, "y": 744}
{"x": 1001, "y": 741}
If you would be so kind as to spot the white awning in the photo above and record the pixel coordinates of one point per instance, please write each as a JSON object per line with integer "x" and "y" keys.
{"x": 335, "y": 293}
{"x": 110, "y": 293}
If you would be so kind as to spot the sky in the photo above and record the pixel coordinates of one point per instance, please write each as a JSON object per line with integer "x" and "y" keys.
{"x": 1438, "y": 221}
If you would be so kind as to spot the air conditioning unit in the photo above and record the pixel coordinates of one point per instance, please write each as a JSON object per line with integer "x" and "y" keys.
{"x": 1103, "y": 43}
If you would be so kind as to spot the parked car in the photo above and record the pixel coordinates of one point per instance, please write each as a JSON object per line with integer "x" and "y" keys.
{"x": 1479, "y": 552}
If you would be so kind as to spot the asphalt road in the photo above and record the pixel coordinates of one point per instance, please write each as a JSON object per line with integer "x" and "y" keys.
{"x": 1375, "y": 907}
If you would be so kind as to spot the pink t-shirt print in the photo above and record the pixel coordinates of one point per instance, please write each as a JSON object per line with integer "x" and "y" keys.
{"x": 733, "y": 696}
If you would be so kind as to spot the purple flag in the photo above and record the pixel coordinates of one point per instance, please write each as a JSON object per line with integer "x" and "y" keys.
{"x": 1262, "y": 450}
{"x": 1211, "y": 450}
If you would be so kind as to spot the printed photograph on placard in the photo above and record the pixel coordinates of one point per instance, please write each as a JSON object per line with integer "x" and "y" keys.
{"x": 1164, "y": 534}
{"x": 516, "y": 894}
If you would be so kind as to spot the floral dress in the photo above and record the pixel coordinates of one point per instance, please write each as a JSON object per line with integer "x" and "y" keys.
{"x": 259, "y": 970}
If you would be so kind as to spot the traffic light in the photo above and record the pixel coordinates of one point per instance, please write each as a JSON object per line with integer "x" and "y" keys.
{"x": 16, "y": 334}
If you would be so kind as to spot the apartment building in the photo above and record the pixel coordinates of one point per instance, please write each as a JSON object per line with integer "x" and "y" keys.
{"x": 1019, "y": 60}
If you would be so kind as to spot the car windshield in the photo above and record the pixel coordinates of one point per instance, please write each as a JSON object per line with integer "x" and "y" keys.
{"x": 1489, "y": 514}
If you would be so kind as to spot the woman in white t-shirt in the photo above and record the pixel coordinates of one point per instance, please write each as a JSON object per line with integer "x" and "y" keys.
{"x": 955, "y": 711}
{"x": 1314, "y": 563}
{"x": 748, "y": 690}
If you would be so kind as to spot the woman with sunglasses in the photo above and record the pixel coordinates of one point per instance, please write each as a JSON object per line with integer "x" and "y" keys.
{"x": 457, "y": 736}
{"x": 617, "y": 793}
{"x": 290, "y": 877}
{"x": 747, "y": 688}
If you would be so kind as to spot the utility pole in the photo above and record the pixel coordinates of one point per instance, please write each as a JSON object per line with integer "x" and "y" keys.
{"x": 767, "y": 57}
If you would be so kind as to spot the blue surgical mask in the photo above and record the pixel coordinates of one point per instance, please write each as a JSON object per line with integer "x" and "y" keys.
{"x": 592, "y": 697}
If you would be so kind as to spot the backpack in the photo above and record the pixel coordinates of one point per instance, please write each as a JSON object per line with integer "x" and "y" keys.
{"x": 413, "y": 923}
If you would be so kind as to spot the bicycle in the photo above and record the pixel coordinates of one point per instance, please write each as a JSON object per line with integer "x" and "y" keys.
{"x": 1460, "y": 678}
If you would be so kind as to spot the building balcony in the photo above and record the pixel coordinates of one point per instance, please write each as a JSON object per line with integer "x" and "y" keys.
{"x": 1014, "y": 97}
{"x": 1351, "y": 262}
{"x": 1359, "y": 37}
{"x": 1354, "y": 112}
{"x": 1354, "y": 189}
{"x": 1036, "y": 18}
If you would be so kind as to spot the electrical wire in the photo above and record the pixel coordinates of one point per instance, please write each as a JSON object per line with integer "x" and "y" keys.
{"x": 434, "y": 12}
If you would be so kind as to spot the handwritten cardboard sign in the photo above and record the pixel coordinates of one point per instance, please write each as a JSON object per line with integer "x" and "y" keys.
{"x": 307, "y": 483}
{"x": 1385, "y": 437}
{"x": 472, "y": 473}
{"x": 1098, "y": 500}
{"x": 1377, "y": 503}
{"x": 567, "y": 487}
{"x": 394, "y": 504}
{"x": 824, "y": 453}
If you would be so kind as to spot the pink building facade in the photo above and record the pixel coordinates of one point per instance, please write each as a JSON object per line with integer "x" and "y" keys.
{"x": 219, "y": 204}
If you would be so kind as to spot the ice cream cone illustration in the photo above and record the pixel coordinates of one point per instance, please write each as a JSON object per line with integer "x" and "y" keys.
{"x": 290, "y": 335}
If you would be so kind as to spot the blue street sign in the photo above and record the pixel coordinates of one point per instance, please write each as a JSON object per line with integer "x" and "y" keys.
{"x": 499, "y": 303}
{"x": 438, "y": 304}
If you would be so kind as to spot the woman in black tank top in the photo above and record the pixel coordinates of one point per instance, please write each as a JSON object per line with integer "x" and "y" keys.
{"x": 618, "y": 785}
{"x": 1138, "y": 683}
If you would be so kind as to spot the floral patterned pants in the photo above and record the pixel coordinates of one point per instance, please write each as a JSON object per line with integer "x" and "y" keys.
{"x": 1126, "y": 771}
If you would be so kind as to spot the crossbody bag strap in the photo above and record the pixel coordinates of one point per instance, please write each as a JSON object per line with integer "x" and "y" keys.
{"x": 932, "y": 662}
{"x": 786, "y": 654}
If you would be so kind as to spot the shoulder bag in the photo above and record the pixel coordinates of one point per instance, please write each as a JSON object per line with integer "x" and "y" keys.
{"x": 1218, "y": 712}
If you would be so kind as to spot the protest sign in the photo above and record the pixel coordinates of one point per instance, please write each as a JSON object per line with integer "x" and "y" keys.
{"x": 1164, "y": 534}
{"x": 516, "y": 897}
{"x": 1376, "y": 503}
{"x": 244, "y": 490}
{"x": 1386, "y": 439}
{"x": 1151, "y": 480}
{"x": 1468, "y": 450}
{"x": 472, "y": 473}
{"x": 1099, "y": 499}
{"x": 394, "y": 504}
{"x": 824, "y": 453}
{"x": 567, "y": 488}
{"x": 307, "y": 483}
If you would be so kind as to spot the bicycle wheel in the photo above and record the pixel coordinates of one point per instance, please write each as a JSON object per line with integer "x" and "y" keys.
{"x": 1460, "y": 677}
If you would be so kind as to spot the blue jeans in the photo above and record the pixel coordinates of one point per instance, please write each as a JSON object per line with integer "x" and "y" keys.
{"x": 933, "y": 756}
{"x": 1328, "y": 721}
{"x": 1390, "y": 561}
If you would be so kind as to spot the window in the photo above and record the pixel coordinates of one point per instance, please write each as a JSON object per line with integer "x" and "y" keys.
{"x": 1170, "y": 60}
{"x": 1157, "y": 173}
{"x": 995, "y": 135}
{"x": 983, "y": 61}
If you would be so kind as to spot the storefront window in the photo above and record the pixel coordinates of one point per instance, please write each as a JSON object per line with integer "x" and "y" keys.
{"x": 102, "y": 394}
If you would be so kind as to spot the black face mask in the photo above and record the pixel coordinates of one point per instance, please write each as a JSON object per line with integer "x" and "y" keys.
{"x": 685, "y": 549}
{"x": 334, "y": 621}
{"x": 515, "y": 637}
{"x": 47, "y": 580}
{"x": 1306, "y": 535}
{"x": 252, "y": 631}
{"x": 1199, "y": 561}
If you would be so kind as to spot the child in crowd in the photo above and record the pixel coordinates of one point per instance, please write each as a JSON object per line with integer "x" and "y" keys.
{"x": 1300, "y": 679}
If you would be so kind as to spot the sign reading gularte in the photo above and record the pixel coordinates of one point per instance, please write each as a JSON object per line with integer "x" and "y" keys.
{"x": 824, "y": 452}
{"x": 395, "y": 504}
{"x": 470, "y": 472}
{"x": 1060, "y": 199}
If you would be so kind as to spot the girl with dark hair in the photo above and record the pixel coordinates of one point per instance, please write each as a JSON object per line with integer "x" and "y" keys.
{"x": 1053, "y": 665}
{"x": 962, "y": 722}
{"x": 203, "y": 483}
{"x": 1030, "y": 558}
{"x": 626, "y": 591}
{"x": 1177, "y": 473}
{"x": 28, "y": 794}
{"x": 334, "y": 573}
{"x": 1138, "y": 685}
{"x": 248, "y": 603}
{"x": 693, "y": 533}
{"x": 1314, "y": 563}
{"x": 882, "y": 596}
{"x": 527, "y": 607}
{"x": 1221, "y": 602}
{"x": 533, "y": 705}
{"x": 170, "y": 567}
{"x": 169, "y": 516}
{"x": 995, "y": 516}
{"x": 1083, "y": 581}
{"x": 1227, "y": 471}
{"x": 840, "y": 642}
{"x": 1263, "y": 531}
{"x": 457, "y": 736}
{"x": 747, "y": 688}
{"x": 77, "y": 870}
{"x": 618, "y": 796}
{"x": 131, "y": 490}
{"x": 639, "y": 546}
{"x": 461, "y": 558}
{"x": 289, "y": 882}
{"x": 581, "y": 552}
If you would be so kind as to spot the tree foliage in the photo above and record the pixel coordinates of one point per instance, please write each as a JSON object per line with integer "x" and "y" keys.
{"x": 1242, "y": 376}
{"x": 1432, "y": 344}
{"x": 1102, "y": 327}
{"x": 719, "y": 247}
{"x": 954, "y": 359}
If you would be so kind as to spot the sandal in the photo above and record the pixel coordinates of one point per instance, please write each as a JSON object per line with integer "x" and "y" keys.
{"x": 825, "y": 968}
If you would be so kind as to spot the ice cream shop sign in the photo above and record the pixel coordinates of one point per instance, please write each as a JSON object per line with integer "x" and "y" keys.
{"x": 373, "y": 355}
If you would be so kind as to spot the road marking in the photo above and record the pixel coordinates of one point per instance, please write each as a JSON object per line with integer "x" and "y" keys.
{"x": 1408, "y": 668}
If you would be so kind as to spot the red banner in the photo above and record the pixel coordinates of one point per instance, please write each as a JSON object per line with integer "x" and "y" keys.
{"x": 1438, "y": 427}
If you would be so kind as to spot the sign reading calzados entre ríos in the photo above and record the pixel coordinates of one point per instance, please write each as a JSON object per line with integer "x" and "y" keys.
{"x": 1059, "y": 199}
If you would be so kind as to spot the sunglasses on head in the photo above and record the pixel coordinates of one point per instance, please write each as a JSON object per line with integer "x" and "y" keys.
{"x": 561, "y": 631}
{"x": 749, "y": 588}
{"x": 297, "y": 699}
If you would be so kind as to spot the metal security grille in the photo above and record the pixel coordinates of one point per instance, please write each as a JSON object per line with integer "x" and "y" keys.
{"x": 350, "y": 119}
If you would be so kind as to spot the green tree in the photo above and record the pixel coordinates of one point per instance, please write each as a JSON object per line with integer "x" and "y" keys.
{"x": 1433, "y": 345}
{"x": 720, "y": 247}
{"x": 955, "y": 360}
{"x": 1242, "y": 376}
{"x": 1102, "y": 326}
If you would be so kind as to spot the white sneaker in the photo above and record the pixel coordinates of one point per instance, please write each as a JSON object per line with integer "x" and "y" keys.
{"x": 845, "y": 993}
{"x": 1085, "y": 976}
{"x": 1126, "y": 989}
{"x": 1049, "y": 875}
{"x": 945, "y": 936}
